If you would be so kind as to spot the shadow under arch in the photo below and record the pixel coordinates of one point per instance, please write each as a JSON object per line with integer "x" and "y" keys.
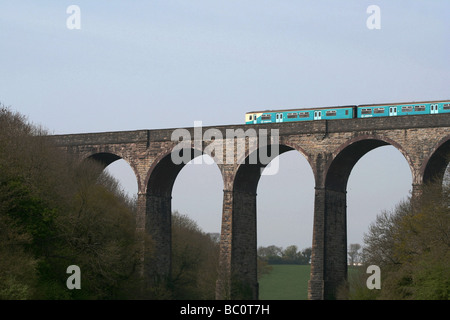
{"x": 242, "y": 202}
{"x": 433, "y": 169}
{"x": 104, "y": 159}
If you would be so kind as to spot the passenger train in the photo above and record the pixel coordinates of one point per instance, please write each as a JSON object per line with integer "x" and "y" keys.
{"x": 348, "y": 112}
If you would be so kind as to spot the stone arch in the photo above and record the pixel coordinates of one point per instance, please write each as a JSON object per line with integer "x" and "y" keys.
{"x": 242, "y": 202}
{"x": 163, "y": 171}
{"x": 247, "y": 174}
{"x": 329, "y": 260}
{"x": 434, "y": 166}
{"x": 159, "y": 184}
{"x": 339, "y": 167}
{"x": 104, "y": 159}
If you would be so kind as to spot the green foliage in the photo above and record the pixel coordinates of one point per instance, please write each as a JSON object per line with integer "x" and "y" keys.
{"x": 411, "y": 247}
{"x": 291, "y": 255}
{"x": 30, "y": 212}
{"x": 356, "y": 288}
{"x": 195, "y": 259}
{"x": 13, "y": 289}
{"x": 54, "y": 214}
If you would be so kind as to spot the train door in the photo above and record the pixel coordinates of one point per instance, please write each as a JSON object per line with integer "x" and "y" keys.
{"x": 317, "y": 115}
{"x": 392, "y": 111}
{"x": 279, "y": 117}
{"x": 434, "y": 109}
{"x": 254, "y": 118}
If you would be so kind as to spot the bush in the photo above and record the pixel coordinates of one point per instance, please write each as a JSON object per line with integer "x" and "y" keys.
{"x": 411, "y": 247}
{"x": 54, "y": 213}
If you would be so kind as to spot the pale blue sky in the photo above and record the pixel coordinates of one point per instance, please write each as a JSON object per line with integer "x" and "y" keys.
{"x": 165, "y": 64}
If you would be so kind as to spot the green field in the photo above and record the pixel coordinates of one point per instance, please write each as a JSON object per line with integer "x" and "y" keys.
{"x": 285, "y": 282}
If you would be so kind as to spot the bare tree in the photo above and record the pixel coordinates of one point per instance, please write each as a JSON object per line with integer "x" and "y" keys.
{"x": 353, "y": 253}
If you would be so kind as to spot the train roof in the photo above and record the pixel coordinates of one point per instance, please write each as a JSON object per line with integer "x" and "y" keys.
{"x": 303, "y": 109}
{"x": 400, "y": 103}
{"x": 349, "y": 106}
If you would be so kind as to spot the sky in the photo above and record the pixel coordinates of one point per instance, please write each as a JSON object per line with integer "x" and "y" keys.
{"x": 164, "y": 64}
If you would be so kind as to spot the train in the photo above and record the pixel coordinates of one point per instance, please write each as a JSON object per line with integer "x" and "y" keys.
{"x": 348, "y": 112}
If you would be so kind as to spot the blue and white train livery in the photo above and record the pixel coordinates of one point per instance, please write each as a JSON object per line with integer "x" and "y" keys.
{"x": 348, "y": 112}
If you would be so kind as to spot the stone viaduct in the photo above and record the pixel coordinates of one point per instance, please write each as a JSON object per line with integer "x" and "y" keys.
{"x": 332, "y": 148}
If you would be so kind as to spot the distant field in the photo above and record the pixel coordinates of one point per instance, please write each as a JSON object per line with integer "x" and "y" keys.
{"x": 285, "y": 282}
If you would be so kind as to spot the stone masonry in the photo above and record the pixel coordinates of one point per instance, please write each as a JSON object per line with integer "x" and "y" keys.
{"x": 332, "y": 148}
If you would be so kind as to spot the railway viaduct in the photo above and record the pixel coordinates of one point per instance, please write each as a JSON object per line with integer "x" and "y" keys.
{"x": 332, "y": 148}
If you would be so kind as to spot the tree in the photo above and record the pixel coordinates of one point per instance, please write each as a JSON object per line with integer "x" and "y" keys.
{"x": 307, "y": 252}
{"x": 195, "y": 258}
{"x": 55, "y": 213}
{"x": 270, "y": 252}
{"x": 411, "y": 247}
{"x": 291, "y": 255}
{"x": 353, "y": 253}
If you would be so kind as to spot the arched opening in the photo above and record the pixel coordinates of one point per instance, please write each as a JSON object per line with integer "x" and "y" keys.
{"x": 104, "y": 158}
{"x": 244, "y": 255}
{"x": 162, "y": 183}
{"x": 158, "y": 212}
{"x": 333, "y": 252}
{"x": 124, "y": 174}
{"x": 285, "y": 210}
{"x": 340, "y": 168}
{"x": 120, "y": 170}
{"x": 198, "y": 192}
{"x": 378, "y": 182}
{"x": 197, "y": 197}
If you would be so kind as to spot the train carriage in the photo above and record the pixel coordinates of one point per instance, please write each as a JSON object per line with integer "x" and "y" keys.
{"x": 402, "y": 109}
{"x": 309, "y": 114}
{"x": 348, "y": 112}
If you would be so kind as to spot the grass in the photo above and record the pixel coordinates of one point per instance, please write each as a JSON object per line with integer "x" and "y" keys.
{"x": 285, "y": 282}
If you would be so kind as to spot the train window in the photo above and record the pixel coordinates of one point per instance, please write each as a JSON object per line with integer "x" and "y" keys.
{"x": 266, "y": 117}
{"x": 292, "y": 115}
{"x": 378, "y": 110}
{"x": 407, "y": 109}
{"x": 447, "y": 106}
{"x": 346, "y": 112}
{"x": 303, "y": 114}
{"x": 250, "y": 117}
{"x": 331, "y": 113}
{"x": 419, "y": 108}
{"x": 366, "y": 111}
